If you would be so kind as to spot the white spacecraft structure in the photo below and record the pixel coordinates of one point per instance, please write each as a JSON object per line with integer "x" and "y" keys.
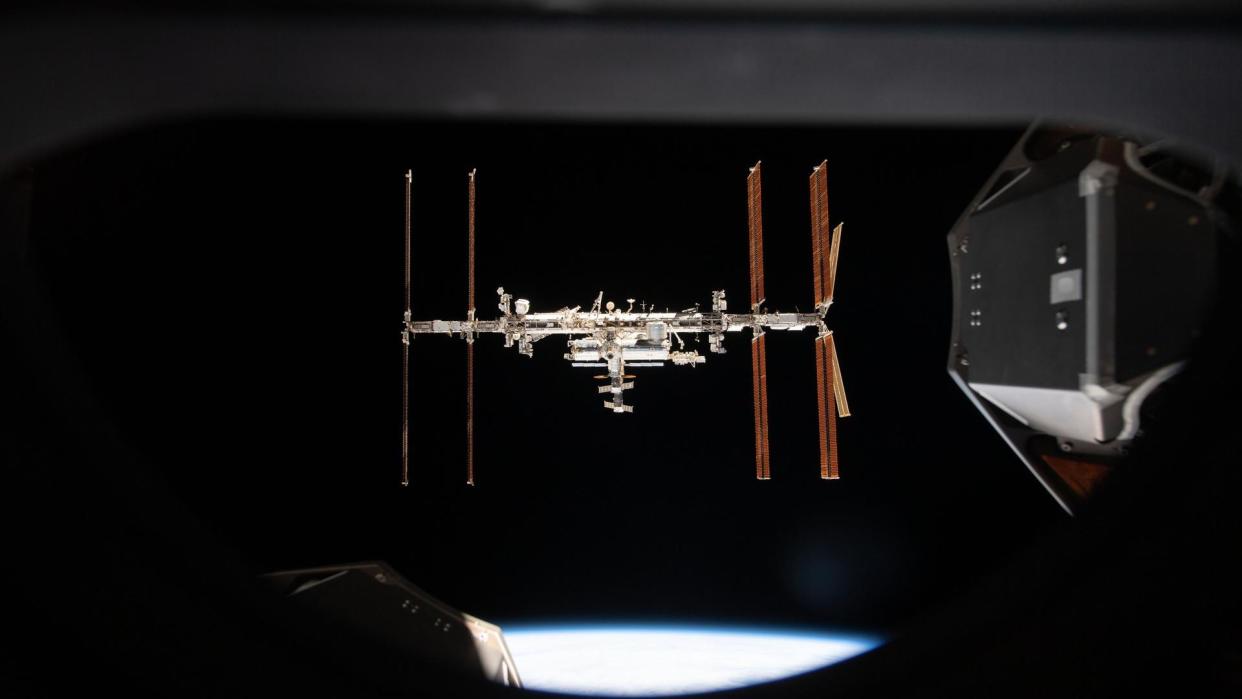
{"x": 608, "y": 338}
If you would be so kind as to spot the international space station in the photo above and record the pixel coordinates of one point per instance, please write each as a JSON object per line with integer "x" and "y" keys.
{"x": 614, "y": 339}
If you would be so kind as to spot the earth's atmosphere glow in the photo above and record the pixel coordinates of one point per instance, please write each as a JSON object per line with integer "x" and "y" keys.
{"x": 643, "y": 660}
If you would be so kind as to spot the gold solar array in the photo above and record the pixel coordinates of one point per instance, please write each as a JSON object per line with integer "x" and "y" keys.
{"x": 758, "y": 354}
{"x": 754, "y": 200}
{"x": 838, "y": 386}
{"x": 759, "y": 379}
{"x": 829, "y": 389}
{"x": 819, "y": 228}
{"x": 405, "y": 341}
{"x": 827, "y": 467}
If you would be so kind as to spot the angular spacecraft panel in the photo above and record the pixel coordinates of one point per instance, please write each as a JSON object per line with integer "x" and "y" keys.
{"x": 1082, "y": 273}
{"x": 375, "y": 601}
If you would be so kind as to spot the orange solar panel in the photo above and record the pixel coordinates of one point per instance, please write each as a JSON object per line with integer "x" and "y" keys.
{"x": 405, "y": 338}
{"x": 817, "y": 275}
{"x": 759, "y": 382}
{"x": 763, "y": 403}
{"x": 830, "y": 397}
{"x": 758, "y": 347}
{"x": 830, "y": 409}
{"x": 754, "y": 204}
{"x": 754, "y": 382}
{"x": 820, "y": 397}
{"x": 819, "y": 231}
{"x": 470, "y": 414}
{"x": 470, "y": 253}
{"x": 470, "y": 341}
{"x": 829, "y": 389}
{"x": 409, "y": 176}
{"x": 838, "y": 385}
{"x": 405, "y": 414}
{"x": 833, "y": 254}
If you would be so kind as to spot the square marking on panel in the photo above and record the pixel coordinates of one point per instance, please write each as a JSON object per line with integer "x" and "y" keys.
{"x": 1065, "y": 286}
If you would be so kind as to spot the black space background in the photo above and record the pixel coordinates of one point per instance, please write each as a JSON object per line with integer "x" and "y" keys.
{"x": 233, "y": 292}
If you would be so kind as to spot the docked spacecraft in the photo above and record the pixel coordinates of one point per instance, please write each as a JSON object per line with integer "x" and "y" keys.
{"x": 1081, "y": 275}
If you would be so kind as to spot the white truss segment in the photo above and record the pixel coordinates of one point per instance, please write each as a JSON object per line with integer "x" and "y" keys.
{"x": 608, "y": 337}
